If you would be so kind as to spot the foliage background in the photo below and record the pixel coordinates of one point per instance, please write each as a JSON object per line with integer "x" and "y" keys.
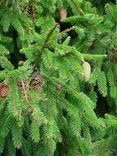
{"x": 50, "y": 108}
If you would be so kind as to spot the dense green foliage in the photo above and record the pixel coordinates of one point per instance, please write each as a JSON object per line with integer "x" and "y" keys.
{"x": 63, "y": 110}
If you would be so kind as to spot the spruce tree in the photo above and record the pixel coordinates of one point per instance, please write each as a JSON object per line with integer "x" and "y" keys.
{"x": 58, "y": 89}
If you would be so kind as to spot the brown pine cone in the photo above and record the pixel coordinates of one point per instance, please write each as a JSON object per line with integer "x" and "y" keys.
{"x": 63, "y": 13}
{"x": 21, "y": 62}
{"x": 4, "y": 88}
{"x": 37, "y": 81}
{"x": 58, "y": 87}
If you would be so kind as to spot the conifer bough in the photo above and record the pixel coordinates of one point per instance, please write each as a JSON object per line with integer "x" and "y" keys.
{"x": 60, "y": 96}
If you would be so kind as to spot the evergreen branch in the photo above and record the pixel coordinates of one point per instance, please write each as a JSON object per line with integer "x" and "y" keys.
{"x": 108, "y": 6}
{"x": 91, "y": 56}
{"x": 65, "y": 105}
{"x": 30, "y": 105}
{"x": 45, "y": 45}
{"x": 14, "y": 98}
{"x": 49, "y": 35}
{"x": 78, "y": 8}
{"x": 83, "y": 56}
{"x": 26, "y": 96}
{"x": 67, "y": 30}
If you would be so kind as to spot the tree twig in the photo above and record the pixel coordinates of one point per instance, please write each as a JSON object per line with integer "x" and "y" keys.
{"x": 78, "y": 8}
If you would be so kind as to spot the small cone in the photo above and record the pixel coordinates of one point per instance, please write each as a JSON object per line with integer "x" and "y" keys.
{"x": 36, "y": 81}
{"x": 87, "y": 71}
{"x": 4, "y": 88}
{"x": 63, "y": 13}
{"x": 21, "y": 62}
{"x": 58, "y": 87}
